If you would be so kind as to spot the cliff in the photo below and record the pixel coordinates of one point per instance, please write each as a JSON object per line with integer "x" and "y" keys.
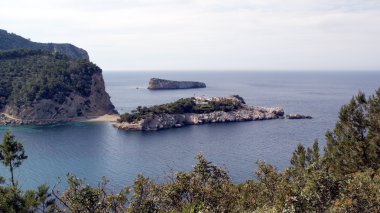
{"x": 203, "y": 111}
{"x": 39, "y": 87}
{"x": 9, "y": 41}
{"x": 158, "y": 84}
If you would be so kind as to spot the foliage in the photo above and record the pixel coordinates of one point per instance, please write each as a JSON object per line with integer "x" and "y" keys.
{"x": 80, "y": 197}
{"x": 354, "y": 145}
{"x": 12, "y": 199}
{"x": 145, "y": 197}
{"x": 9, "y": 41}
{"x": 27, "y": 76}
{"x": 207, "y": 187}
{"x": 13, "y": 41}
{"x": 12, "y": 153}
{"x": 360, "y": 193}
{"x": 183, "y": 105}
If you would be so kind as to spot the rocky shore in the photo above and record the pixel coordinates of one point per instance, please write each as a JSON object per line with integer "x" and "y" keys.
{"x": 160, "y": 84}
{"x": 166, "y": 120}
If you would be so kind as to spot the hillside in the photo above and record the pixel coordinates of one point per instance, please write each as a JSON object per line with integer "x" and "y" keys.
{"x": 40, "y": 87}
{"x": 10, "y": 41}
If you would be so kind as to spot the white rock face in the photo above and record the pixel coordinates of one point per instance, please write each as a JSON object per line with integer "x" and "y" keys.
{"x": 166, "y": 121}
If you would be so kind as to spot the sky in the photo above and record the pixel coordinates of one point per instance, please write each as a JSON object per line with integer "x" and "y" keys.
{"x": 132, "y": 35}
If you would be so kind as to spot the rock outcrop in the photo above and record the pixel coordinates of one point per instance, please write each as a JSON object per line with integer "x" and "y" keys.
{"x": 166, "y": 121}
{"x": 298, "y": 116}
{"x": 159, "y": 84}
{"x": 10, "y": 41}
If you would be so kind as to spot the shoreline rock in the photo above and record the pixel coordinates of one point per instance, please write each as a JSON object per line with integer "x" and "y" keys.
{"x": 162, "y": 84}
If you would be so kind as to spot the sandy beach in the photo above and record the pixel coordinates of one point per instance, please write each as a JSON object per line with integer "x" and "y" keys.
{"x": 8, "y": 119}
{"x": 103, "y": 118}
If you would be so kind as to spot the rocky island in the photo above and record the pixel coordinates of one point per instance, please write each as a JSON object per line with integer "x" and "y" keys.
{"x": 160, "y": 84}
{"x": 40, "y": 86}
{"x": 298, "y": 116}
{"x": 195, "y": 111}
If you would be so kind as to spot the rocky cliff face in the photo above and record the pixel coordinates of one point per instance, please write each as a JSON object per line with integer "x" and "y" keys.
{"x": 166, "y": 121}
{"x": 157, "y": 84}
{"x": 10, "y": 41}
{"x": 75, "y": 107}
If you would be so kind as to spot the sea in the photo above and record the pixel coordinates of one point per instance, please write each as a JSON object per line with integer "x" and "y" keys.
{"x": 94, "y": 150}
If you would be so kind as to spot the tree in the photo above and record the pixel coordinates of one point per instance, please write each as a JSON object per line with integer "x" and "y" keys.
{"x": 360, "y": 193}
{"x": 81, "y": 197}
{"x": 40, "y": 200}
{"x": 374, "y": 126}
{"x": 354, "y": 145}
{"x": 12, "y": 153}
{"x": 144, "y": 198}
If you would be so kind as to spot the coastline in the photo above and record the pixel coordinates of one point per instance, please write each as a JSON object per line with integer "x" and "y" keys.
{"x": 6, "y": 119}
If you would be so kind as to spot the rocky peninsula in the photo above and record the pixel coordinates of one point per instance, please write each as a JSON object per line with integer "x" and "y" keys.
{"x": 45, "y": 86}
{"x": 160, "y": 84}
{"x": 32, "y": 98}
{"x": 195, "y": 111}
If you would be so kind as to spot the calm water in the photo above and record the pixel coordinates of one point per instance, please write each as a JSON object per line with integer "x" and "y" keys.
{"x": 97, "y": 149}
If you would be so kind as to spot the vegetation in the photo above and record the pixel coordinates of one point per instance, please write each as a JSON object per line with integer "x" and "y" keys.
{"x": 12, "y": 41}
{"x": 12, "y": 153}
{"x": 183, "y": 105}
{"x": 9, "y": 41}
{"x": 27, "y": 76}
{"x": 346, "y": 178}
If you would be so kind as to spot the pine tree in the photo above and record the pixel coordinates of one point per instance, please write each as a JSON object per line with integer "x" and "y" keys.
{"x": 354, "y": 144}
{"x": 12, "y": 153}
{"x": 374, "y": 127}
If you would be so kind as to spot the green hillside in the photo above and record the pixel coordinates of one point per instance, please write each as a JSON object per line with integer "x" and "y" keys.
{"x": 31, "y": 75}
{"x": 10, "y": 41}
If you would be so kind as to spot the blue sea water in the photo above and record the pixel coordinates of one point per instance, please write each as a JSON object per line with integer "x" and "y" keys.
{"x": 93, "y": 150}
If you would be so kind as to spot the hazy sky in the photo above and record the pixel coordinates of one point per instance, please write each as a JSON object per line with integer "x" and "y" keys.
{"x": 207, "y": 34}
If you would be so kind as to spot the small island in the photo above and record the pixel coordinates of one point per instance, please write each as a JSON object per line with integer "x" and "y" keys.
{"x": 298, "y": 116}
{"x": 161, "y": 84}
{"x": 195, "y": 111}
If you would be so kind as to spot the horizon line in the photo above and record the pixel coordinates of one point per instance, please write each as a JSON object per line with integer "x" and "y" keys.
{"x": 232, "y": 70}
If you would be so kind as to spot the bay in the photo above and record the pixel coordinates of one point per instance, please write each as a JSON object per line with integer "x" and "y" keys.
{"x": 93, "y": 150}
